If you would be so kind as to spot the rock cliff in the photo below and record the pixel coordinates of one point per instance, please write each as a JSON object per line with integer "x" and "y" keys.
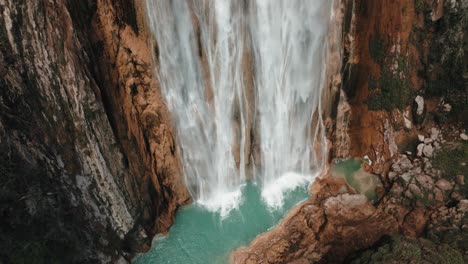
{"x": 402, "y": 110}
{"x": 88, "y": 162}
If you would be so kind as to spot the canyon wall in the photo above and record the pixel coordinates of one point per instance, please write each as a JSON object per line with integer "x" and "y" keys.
{"x": 402, "y": 110}
{"x": 88, "y": 161}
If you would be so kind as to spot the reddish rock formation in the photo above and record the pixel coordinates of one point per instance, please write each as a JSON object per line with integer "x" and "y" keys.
{"x": 393, "y": 51}
{"x": 86, "y": 145}
{"x": 137, "y": 109}
{"x": 324, "y": 229}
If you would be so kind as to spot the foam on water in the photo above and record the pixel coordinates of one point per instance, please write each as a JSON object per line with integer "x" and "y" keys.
{"x": 202, "y": 49}
{"x": 222, "y": 202}
{"x": 200, "y": 236}
{"x": 273, "y": 193}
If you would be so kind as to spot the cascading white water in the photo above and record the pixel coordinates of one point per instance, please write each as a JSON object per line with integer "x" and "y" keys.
{"x": 202, "y": 100}
{"x": 202, "y": 81}
{"x": 289, "y": 39}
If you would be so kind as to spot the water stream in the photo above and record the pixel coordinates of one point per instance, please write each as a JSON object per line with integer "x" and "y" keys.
{"x": 202, "y": 46}
{"x": 243, "y": 82}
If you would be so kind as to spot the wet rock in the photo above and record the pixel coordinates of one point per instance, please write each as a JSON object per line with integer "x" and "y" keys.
{"x": 348, "y": 216}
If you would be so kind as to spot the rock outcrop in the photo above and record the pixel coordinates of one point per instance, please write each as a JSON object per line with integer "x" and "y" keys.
{"x": 403, "y": 113}
{"x": 324, "y": 229}
{"x": 88, "y": 162}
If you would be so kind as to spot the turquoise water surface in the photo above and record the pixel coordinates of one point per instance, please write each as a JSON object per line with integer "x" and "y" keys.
{"x": 201, "y": 236}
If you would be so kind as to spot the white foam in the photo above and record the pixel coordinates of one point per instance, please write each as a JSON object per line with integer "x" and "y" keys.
{"x": 273, "y": 193}
{"x": 222, "y": 202}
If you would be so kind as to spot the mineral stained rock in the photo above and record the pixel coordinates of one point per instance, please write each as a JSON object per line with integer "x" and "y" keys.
{"x": 88, "y": 162}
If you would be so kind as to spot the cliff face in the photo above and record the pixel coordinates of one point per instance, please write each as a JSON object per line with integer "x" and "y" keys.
{"x": 402, "y": 108}
{"x": 395, "y": 51}
{"x": 88, "y": 163}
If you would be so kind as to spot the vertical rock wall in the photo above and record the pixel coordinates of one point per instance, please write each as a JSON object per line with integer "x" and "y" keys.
{"x": 88, "y": 163}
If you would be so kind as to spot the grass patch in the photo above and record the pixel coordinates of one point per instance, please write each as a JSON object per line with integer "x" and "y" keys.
{"x": 394, "y": 91}
{"x": 449, "y": 160}
{"x": 419, "y": 6}
{"x": 377, "y": 48}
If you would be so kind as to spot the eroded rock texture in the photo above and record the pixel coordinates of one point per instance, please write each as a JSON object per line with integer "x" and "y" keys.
{"x": 402, "y": 109}
{"x": 324, "y": 229}
{"x": 88, "y": 162}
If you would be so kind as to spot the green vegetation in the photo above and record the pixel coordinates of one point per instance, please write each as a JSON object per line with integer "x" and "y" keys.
{"x": 35, "y": 252}
{"x": 419, "y": 6}
{"x": 377, "y": 48}
{"x": 88, "y": 112}
{"x": 449, "y": 160}
{"x": 449, "y": 82}
{"x": 394, "y": 84}
{"x": 395, "y": 89}
{"x": 399, "y": 249}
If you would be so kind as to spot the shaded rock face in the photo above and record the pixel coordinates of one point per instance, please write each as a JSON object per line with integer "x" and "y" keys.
{"x": 88, "y": 163}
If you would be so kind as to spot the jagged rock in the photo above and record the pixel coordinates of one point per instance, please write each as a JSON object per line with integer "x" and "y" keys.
{"x": 444, "y": 185}
{"x": 456, "y": 196}
{"x": 420, "y": 149}
{"x": 434, "y": 133}
{"x": 425, "y": 181}
{"x": 398, "y": 249}
{"x": 463, "y": 136}
{"x": 448, "y": 225}
{"x": 428, "y": 150}
{"x": 318, "y": 230}
{"x": 406, "y": 176}
{"x": 415, "y": 190}
{"x": 417, "y": 170}
{"x": 439, "y": 195}
{"x": 421, "y": 138}
{"x": 392, "y": 175}
{"x": 72, "y": 134}
{"x": 420, "y": 104}
{"x": 447, "y": 108}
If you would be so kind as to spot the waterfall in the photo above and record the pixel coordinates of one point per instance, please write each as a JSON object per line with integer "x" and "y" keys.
{"x": 201, "y": 45}
{"x": 289, "y": 47}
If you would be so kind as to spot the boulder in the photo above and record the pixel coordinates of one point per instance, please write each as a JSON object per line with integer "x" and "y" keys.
{"x": 420, "y": 105}
{"x": 428, "y": 150}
